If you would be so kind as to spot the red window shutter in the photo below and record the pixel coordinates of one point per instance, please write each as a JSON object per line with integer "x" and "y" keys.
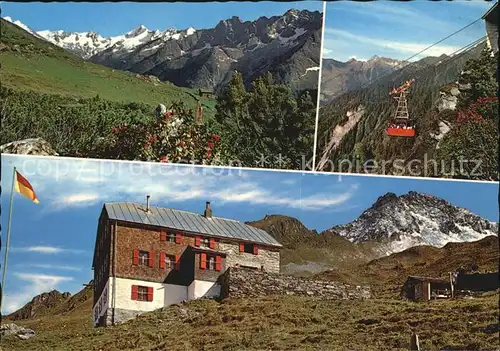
{"x": 150, "y": 293}
{"x": 212, "y": 243}
{"x": 242, "y": 247}
{"x": 162, "y": 260}
{"x": 255, "y": 250}
{"x": 135, "y": 292}
{"x": 178, "y": 238}
{"x": 163, "y": 236}
{"x": 177, "y": 262}
{"x": 136, "y": 256}
{"x": 218, "y": 263}
{"x": 203, "y": 261}
{"x": 197, "y": 241}
{"x": 151, "y": 258}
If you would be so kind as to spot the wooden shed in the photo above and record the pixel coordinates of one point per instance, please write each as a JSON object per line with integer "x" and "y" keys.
{"x": 424, "y": 288}
{"x": 206, "y": 94}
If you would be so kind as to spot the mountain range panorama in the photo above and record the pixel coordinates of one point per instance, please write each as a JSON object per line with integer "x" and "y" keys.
{"x": 288, "y": 46}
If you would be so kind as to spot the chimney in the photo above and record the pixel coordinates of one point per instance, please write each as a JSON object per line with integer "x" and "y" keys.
{"x": 147, "y": 203}
{"x": 208, "y": 210}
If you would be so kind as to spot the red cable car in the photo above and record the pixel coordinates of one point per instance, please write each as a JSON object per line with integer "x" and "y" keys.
{"x": 400, "y": 130}
{"x": 400, "y": 125}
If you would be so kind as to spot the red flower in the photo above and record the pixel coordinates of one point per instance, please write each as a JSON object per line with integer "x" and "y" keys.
{"x": 168, "y": 115}
{"x": 209, "y": 153}
{"x": 152, "y": 139}
{"x": 114, "y": 130}
{"x": 216, "y": 137}
{"x": 146, "y": 145}
{"x": 211, "y": 145}
{"x": 163, "y": 159}
{"x": 181, "y": 143}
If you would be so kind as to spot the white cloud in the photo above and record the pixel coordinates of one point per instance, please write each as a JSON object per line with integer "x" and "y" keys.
{"x": 393, "y": 14}
{"x": 50, "y": 250}
{"x": 73, "y": 200}
{"x": 69, "y": 183}
{"x": 402, "y": 49}
{"x": 36, "y": 284}
{"x": 51, "y": 266}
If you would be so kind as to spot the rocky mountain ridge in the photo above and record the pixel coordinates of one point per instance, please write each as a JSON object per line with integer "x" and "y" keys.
{"x": 288, "y": 46}
{"x": 401, "y": 222}
{"x": 340, "y": 77}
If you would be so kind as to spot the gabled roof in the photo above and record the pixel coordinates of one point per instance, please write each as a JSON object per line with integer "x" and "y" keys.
{"x": 189, "y": 222}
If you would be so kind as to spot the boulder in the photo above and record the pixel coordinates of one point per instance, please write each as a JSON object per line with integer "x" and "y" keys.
{"x": 446, "y": 102}
{"x": 160, "y": 111}
{"x": 13, "y": 329}
{"x": 36, "y": 146}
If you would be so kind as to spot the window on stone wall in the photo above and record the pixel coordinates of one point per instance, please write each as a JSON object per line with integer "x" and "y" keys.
{"x": 211, "y": 262}
{"x": 169, "y": 262}
{"x": 142, "y": 293}
{"x": 144, "y": 258}
{"x": 248, "y": 248}
{"x": 204, "y": 242}
{"x": 171, "y": 237}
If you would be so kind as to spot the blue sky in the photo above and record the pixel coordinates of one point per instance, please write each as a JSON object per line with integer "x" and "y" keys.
{"x": 399, "y": 29}
{"x": 109, "y": 19}
{"x": 52, "y": 242}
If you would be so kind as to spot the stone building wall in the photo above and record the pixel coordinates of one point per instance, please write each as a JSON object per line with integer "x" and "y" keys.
{"x": 250, "y": 283}
{"x": 267, "y": 257}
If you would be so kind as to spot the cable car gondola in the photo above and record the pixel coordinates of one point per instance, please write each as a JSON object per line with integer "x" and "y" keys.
{"x": 400, "y": 125}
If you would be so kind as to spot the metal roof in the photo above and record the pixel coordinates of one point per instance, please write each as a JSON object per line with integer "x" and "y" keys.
{"x": 188, "y": 221}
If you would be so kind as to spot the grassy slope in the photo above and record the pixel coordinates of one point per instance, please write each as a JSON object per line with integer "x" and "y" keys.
{"x": 306, "y": 252}
{"x": 289, "y": 322}
{"x": 387, "y": 274}
{"x": 278, "y": 323}
{"x": 29, "y": 63}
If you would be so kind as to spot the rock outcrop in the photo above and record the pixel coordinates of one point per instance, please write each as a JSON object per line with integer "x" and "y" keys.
{"x": 13, "y": 329}
{"x": 36, "y": 146}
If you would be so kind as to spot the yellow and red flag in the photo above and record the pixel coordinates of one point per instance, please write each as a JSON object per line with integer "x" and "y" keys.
{"x": 24, "y": 187}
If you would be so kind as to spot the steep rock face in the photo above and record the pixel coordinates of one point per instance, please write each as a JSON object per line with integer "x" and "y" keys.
{"x": 400, "y": 222}
{"x": 40, "y": 304}
{"x": 288, "y": 46}
{"x": 289, "y": 231}
{"x": 340, "y": 77}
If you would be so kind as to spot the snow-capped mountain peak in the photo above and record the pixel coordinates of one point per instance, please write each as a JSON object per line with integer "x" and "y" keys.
{"x": 88, "y": 44}
{"x": 211, "y": 55}
{"x": 136, "y": 32}
{"x": 400, "y": 222}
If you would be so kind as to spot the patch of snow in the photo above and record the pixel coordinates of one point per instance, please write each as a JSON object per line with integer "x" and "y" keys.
{"x": 190, "y": 31}
{"x": 312, "y": 69}
{"x": 196, "y": 52}
{"x": 298, "y": 33}
{"x": 153, "y": 48}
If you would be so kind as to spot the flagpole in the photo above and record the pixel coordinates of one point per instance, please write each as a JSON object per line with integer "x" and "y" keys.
{"x": 8, "y": 237}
